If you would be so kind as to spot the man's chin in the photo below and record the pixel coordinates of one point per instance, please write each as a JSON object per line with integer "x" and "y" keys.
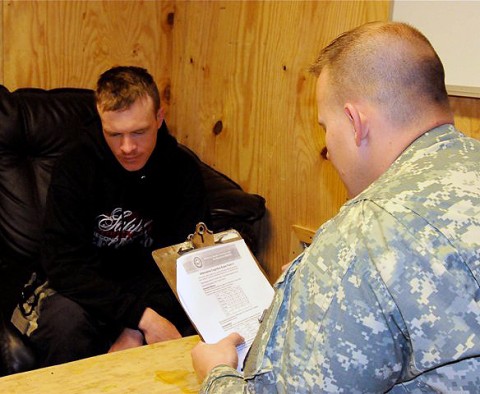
{"x": 131, "y": 165}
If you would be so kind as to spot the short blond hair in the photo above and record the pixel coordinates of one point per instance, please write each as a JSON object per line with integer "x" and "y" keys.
{"x": 391, "y": 64}
{"x": 119, "y": 87}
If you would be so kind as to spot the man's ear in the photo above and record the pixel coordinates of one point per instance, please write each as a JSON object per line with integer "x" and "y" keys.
{"x": 160, "y": 117}
{"x": 359, "y": 123}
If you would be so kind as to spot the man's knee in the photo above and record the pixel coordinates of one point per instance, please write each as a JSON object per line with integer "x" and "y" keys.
{"x": 62, "y": 316}
{"x": 66, "y": 332}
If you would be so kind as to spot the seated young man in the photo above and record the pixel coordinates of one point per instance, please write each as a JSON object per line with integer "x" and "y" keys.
{"x": 123, "y": 190}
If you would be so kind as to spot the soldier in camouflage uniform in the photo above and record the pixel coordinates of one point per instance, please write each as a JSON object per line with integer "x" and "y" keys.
{"x": 386, "y": 299}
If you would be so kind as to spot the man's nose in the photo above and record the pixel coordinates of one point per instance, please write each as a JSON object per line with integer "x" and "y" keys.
{"x": 128, "y": 145}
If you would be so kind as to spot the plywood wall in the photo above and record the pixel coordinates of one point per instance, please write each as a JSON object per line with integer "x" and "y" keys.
{"x": 233, "y": 80}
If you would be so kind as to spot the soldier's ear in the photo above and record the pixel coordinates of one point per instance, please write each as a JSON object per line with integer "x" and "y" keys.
{"x": 359, "y": 122}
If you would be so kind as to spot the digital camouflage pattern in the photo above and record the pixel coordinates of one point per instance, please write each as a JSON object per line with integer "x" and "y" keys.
{"x": 386, "y": 299}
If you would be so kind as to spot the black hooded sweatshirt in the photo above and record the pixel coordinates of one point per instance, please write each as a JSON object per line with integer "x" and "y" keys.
{"x": 102, "y": 223}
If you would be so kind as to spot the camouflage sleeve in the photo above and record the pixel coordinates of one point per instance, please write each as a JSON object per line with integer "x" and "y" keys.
{"x": 224, "y": 379}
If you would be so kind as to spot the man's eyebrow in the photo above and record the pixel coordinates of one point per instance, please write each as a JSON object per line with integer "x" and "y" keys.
{"x": 142, "y": 129}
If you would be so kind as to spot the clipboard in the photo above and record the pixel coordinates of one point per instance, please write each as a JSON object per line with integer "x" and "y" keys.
{"x": 221, "y": 286}
{"x": 166, "y": 258}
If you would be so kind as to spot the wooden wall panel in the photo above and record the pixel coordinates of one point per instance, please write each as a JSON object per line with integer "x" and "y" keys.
{"x": 233, "y": 80}
{"x": 247, "y": 72}
{"x": 467, "y": 115}
{"x": 58, "y": 43}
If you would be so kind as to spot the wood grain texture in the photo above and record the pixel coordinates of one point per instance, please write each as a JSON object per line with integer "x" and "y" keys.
{"x": 69, "y": 43}
{"x": 233, "y": 80}
{"x": 467, "y": 115}
{"x": 164, "y": 367}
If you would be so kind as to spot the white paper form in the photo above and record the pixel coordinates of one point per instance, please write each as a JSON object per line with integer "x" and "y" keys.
{"x": 223, "y": 290}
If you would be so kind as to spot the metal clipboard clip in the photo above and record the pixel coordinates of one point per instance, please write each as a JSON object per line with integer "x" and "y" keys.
{"x": 201, "y": 237}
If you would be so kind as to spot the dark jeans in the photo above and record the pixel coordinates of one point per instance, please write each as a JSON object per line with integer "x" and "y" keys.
{"x": 66, "y": 332}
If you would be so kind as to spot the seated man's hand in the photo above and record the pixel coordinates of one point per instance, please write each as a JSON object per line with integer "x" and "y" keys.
{"x": 156, "y": 328}
{"x": 127, "y": 339}
{"x": 206, "y": 357}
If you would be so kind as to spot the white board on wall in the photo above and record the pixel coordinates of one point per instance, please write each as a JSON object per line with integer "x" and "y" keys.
{"x": 453, "y": 28}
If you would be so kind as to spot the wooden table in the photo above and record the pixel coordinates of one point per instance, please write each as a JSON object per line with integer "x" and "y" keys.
{"x": 159, "y": 368}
